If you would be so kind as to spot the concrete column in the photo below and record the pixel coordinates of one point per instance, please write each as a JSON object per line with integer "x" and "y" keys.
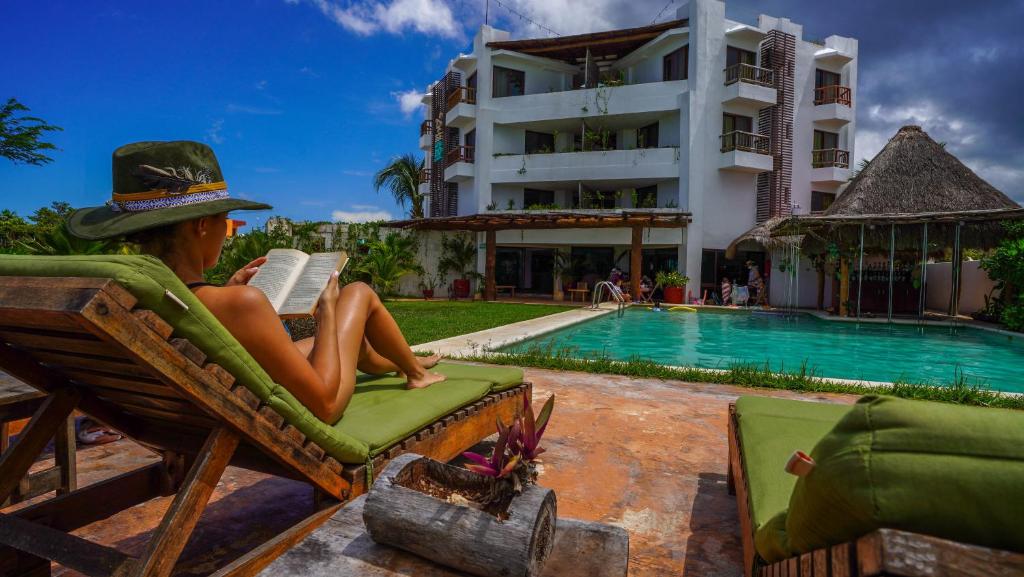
{"x": 635, "y": 256}
{"x": 489, "y": 290}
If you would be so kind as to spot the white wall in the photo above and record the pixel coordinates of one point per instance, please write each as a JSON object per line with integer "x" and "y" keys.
{"x": 975, "y": 284}
{"x": 650, "y": 68}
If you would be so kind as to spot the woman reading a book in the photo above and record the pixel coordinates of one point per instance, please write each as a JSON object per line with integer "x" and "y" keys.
{"x": 179, "y": 214}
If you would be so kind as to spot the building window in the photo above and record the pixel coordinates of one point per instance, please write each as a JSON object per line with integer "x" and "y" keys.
{"x": 508, "y": 82}
{"x": 674, "y": 65}
{"x": 735, "y": 122}
{"x": 826, "y": 78}
{"x": 539, "y": 142}
{"x": 538, "y": 198}
{"x": 820, "y": 201}
{"x": 735, "y": 55}
{"x": 646, "y": 197}
{"x": 825, "y": 140}
{"x": 647, "y": 137}
{"x": 471, "y": 81}
{"x": 595, "y": 199}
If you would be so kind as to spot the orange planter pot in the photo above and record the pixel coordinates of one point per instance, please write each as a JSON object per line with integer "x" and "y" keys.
{"x": 674, "y": 294}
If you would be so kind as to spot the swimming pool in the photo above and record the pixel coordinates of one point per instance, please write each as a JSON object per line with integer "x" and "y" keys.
{"x": 861, "y": 351}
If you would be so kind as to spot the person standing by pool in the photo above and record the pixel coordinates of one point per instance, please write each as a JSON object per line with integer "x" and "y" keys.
{"x": 726, "y": 291}
{"x": 755, "y": 282}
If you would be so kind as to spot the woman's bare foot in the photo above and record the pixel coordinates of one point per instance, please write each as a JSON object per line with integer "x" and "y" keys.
{"x": 424, "y": 380}
{"x": 429, "y": 362}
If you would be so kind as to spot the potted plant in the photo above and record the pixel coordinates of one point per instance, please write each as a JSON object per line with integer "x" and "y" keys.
{"x": 559, "y": 266}
{"x": 488, "y": 519}
{"x": 673, "y": 285}
{"x": 458, "y": 254}
{"x": 428, "y": 283}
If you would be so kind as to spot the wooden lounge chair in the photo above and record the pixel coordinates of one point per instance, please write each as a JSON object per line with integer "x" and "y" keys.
{"x": 93, "y": 346}
{"x": 878, "y": 552}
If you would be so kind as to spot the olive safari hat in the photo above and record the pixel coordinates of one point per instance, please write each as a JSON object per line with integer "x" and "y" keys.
{"x": 156, "y": 184}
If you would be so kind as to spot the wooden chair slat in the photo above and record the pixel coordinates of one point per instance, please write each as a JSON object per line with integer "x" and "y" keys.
{"x": 223, "y": 377}
{"x": 114, "y": 367}
{"x": 247, "y": 396}
{"x": 272, "y": 416}
{"x": 82, "y": 343}
{"x": 313, "y": 449}
{"x": 190, "y": 351}
{"x": 154, "y": 322}
{"x": 86, "y": 377}
{"x": 69, "y": 550}
{"x": 293, "y": 433}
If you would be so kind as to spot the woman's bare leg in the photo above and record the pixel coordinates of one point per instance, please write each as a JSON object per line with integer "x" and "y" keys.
{"x": 360, "y": 313}
{"x": 372, "y": 363}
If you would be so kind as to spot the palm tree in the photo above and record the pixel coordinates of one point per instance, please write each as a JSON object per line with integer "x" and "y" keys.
{"x": 58, "y": 241}
{"x": 388, "y": 260}
{"x": 402, "y": 178}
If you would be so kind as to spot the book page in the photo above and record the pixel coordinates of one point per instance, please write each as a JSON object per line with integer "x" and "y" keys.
{"x": 311, "y": 282}
{"x": 276, "y": 277}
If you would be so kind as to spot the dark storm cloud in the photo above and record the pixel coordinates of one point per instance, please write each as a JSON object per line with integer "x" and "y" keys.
{"x": 956, "y": 68}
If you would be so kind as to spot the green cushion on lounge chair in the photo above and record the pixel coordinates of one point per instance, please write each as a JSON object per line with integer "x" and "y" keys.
{"x": 951, "y": 471}
{"x": 382, "y": 412}
{"x": 499, "y": 378}
{"x": 770, "y": 430}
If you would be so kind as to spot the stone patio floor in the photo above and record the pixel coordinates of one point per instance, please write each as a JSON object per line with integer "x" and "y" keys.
{"x": 644, "y": 454}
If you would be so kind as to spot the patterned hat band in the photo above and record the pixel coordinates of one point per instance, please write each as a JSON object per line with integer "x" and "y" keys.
{"x": 162, "y": 198}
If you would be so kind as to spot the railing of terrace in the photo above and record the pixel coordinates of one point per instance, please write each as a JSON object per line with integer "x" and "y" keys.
{"x": 459, "y": 154}
{"x": 830, "y": 157}
{"x": 748, "y": 73}
{"x": 745, "y": 141}
{"x": 834, "y": 94}
{"x": 461, "y": 94}
{"x": 424, "y": 175}
{"x": 426, "y": 127}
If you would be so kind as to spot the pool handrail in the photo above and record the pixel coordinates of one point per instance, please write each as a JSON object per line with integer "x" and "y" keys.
{"x": 616, "y": 294}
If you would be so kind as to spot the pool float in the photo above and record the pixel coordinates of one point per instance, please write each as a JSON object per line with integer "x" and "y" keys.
{"x": 684, "y": 309}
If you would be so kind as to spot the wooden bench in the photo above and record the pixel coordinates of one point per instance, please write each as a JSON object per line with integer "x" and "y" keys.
{"x": 511, "y": 288}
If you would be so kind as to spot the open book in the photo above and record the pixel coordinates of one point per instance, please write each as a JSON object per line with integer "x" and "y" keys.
{"x": 293, "y": 280}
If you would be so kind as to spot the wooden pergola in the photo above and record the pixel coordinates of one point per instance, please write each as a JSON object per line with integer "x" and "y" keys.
{"x": 490, "y": 223}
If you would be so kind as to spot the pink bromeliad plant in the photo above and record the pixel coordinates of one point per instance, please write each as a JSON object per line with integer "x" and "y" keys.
{"x": 515, "y": 453}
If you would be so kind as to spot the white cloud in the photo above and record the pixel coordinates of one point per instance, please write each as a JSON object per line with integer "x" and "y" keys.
{"x": 365, "y": 207}
{"x": 366, "y": 17}
{"x": 360, "y": 216}
{"x": 409, "y": 101}
{"x": 213, "y": 133}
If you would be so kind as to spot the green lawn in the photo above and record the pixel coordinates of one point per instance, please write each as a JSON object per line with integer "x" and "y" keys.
{"x": 425, "y": 321}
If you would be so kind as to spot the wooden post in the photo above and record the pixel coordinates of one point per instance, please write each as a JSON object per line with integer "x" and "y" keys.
{"x": 635, "y": 256}
{"x": 844, "y": 286}
{"x": 489, "y": 291}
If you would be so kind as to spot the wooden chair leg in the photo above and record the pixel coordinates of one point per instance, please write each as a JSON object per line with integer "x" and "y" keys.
{"x": 48, "y": 418}
{"x": 64, "y": 454}
{"x": 172, "y": 535}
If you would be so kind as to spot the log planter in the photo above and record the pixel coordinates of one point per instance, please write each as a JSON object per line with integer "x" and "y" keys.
{"x": 431, "y": 509}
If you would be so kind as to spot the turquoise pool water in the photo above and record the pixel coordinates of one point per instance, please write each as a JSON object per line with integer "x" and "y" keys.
{"x": 863, "y": 351}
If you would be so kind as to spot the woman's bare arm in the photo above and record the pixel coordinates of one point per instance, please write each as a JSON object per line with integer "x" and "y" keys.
{"x": 249, "y": 316}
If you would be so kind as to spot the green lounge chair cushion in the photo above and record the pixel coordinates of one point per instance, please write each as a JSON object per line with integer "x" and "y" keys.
{"x": 770, "y": 430}
{"x": 147, "y": 279}
{"x": 382, "y": 412}
{"x": 951, "y": 471}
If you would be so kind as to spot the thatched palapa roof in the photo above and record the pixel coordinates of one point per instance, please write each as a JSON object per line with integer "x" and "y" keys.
{"x": 761, "y": 236}
{"x": 912, "y": 181}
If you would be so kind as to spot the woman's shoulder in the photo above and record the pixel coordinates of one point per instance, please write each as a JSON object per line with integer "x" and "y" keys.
{"x": 234, "y": 296}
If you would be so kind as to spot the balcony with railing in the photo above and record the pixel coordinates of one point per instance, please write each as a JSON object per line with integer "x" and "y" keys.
{"x": 833, "y": 105}
{"x": 603, "y": 165}
{"x": 749, "y": 85}
{"x": 458, "y": 163}
{"x": 830, "y": 166}
{"x": 460, "y": 108}
{"x": 424, "y": 175}
{"x": 746, "y": 152}
{"x": 426, "y": 134}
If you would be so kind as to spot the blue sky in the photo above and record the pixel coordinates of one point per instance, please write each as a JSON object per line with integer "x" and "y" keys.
{"x": 302, "y": 99}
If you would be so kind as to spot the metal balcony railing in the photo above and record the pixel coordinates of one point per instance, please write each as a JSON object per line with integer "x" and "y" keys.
{"x": 745, "y": 141}
{"x": 424, "y": 175}
{"x": 748, "y": 73}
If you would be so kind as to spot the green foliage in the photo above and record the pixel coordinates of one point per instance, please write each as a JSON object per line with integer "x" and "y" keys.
{"x": 20, "y": 135}
{"x": 388, "y": 259}
{"x": 56, "y": 240}
{"x": 402, "y": 178}
{"x": 422, "y": 322}
{"x": 458, "y": 256}
{"x": 13, "y": 230}
{"x": 242, "y": 249}
{"x": 746, "y": 375}
{"x": 672, "y": 278}
{"x": 1005, "y": 266}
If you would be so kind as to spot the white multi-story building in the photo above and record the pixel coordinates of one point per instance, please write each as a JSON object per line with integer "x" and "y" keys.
{"x": 729, "y": 122}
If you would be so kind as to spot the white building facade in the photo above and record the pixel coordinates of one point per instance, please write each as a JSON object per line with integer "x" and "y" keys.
{"x": 733, "y": 123}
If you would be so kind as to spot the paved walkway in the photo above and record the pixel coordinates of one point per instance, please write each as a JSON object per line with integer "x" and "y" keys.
{"x": 643, "y": 454}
